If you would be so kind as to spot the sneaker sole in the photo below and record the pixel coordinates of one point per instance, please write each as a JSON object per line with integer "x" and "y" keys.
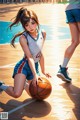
{"x": 61, "y": 76}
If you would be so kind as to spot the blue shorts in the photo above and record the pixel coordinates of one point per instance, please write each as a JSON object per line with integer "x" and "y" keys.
{"x": 23, "y": 67}
{"x": 72, "y": 16}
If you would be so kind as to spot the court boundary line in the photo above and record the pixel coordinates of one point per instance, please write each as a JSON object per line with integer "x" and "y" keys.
{"x": 21, "y": 106}
{"x": 13, "y": 64}
{"x": 8, "y": 43}
{"x": 8, "y": 65}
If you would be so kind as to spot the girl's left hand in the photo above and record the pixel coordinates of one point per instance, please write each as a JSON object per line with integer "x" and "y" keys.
{"x": 47, "y": 75}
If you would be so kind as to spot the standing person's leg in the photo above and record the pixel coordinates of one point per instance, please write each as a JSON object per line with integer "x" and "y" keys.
{"x": 79, "y": 30}
{"x": 62, "y": 73}
{"x": 16, "y": 91}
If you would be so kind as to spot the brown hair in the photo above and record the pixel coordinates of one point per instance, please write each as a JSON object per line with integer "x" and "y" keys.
{"x": 23, "y": 16}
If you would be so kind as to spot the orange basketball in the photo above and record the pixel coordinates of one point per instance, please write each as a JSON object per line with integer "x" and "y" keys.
{"x": 42, "y": 89}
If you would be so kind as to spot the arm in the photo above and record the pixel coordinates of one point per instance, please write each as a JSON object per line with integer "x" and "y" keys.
{"x": 26, "y": 50}
{"x": 42, "y": 61}
{"x": 42, "y": 65}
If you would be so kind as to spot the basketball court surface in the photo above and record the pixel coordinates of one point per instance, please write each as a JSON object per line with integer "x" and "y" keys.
{"x": 64, "y": 100}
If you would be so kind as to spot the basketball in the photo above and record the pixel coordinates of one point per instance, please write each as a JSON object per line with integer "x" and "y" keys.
{"x": 42, "y": 90}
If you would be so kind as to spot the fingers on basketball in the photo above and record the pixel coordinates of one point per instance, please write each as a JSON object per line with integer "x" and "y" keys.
{"x": 42, "y": 90}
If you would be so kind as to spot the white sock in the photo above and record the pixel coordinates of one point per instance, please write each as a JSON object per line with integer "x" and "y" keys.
{"x": 65, "y": 62}
{"x": 4, "y": 87}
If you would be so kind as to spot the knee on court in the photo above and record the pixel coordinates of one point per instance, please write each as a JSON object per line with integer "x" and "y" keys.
{"x": 17, "y": 94}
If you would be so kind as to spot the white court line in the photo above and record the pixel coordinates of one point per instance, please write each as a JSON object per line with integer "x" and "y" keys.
{"x": 17, "y": 108}
{"x": 8, "y": 65}
{"x": 13, "y": 64}
{"x": 8, "y": 44}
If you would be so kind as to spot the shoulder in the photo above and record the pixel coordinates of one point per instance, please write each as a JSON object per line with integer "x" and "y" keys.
{"x": 43, "y": 33}
{"x": 23, "y": 36}
{"x": 22, "y": 39}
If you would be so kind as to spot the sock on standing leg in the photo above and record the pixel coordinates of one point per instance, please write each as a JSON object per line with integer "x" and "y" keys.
{"x": 65, "y": 62}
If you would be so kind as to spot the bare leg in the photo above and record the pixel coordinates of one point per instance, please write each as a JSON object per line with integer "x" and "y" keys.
{"x": 26, "y": 87}
{"x": 75, "y": 40}
{"x": 18, "y": 88}
{"x": 75, "y": 34}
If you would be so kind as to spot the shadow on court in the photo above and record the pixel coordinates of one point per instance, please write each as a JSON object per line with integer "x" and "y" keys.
{"x": 74, "y": 94}
{"x": 35, "y": 109}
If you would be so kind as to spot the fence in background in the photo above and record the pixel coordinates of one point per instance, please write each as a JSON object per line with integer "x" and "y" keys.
{"x": 20, "y": 1}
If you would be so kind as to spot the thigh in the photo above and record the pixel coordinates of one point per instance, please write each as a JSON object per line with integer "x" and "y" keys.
{"x": 19, "y": 68}
{"x": 74, "y": 31}
{"x": 79, "y": 30}
{"x": 19, "y": 81}
{"x": 78, "y": 26}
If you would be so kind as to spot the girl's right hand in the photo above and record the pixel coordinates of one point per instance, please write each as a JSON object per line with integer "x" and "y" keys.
{"x": 35, "y": 79}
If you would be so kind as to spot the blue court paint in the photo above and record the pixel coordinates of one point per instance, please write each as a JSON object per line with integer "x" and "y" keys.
{"x": 6, "y": 34}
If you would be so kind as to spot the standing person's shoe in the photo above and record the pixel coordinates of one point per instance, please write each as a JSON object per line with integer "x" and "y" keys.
{"x": 1, "y": 83}
{"x": 63, "y": 74}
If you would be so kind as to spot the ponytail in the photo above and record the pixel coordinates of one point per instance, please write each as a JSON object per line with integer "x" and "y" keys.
{"x": 13, "y": 40}
{"x": 16, "y": 21}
